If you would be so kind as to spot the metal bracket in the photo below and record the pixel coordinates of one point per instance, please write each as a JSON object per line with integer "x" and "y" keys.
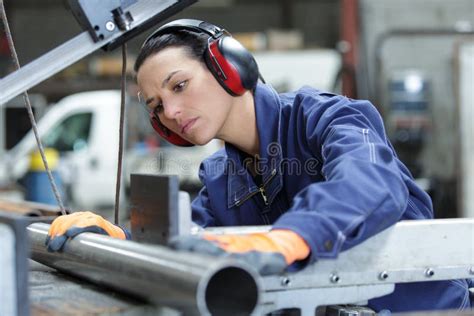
{"x": 102, "y": 18}
{"x": 158, "y": 210}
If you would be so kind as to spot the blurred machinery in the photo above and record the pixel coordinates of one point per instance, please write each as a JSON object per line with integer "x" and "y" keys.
{"x": 408, "y": 120}
{"x": 404, "y": 57}
{"x": 466, "y": 113}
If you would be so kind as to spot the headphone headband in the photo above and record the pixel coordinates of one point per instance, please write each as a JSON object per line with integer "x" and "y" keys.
{"x": 192, "y": 25}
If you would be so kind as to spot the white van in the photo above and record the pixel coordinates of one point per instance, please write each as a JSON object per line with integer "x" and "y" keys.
{"x": 84, "y": 128}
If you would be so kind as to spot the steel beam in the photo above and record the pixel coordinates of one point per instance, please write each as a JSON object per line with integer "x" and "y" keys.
{"x": 409, "y": 251}
{"x": 145, "y": 13}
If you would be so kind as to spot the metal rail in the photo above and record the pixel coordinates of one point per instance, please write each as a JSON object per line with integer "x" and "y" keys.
{"x": 192, "y": 283}
{"x": 409, "y": 251}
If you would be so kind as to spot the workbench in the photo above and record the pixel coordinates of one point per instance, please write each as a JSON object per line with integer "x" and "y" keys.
{"x": 54, "y": 293}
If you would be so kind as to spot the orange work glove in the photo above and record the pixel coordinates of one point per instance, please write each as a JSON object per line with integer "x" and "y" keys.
{"x": 286, "y": 242}
{"x": 68, "y": 226}
{"x": 269, "y": 252}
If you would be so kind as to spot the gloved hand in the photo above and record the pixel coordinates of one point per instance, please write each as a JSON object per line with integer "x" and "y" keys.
{"x": 68, "y": 226}
{"x": 269, "y": 253}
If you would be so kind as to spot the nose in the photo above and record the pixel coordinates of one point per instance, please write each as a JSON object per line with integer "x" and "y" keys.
{"x": 171, "y": 110}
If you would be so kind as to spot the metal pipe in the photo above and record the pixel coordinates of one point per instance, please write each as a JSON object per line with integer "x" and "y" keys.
{"x": 194, "y": 284}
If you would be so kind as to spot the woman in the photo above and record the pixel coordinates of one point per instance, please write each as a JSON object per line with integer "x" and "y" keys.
{"x": 316, "y": 166}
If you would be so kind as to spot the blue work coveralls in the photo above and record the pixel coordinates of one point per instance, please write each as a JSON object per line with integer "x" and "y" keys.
{"x": 328, "y": 173}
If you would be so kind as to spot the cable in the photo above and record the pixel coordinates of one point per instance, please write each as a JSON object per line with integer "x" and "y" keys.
{"x": 30, "y": 110}
{"x": 122, "y": 118}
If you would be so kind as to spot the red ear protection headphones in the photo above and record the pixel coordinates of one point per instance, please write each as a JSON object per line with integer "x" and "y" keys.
{"x": 230, "y": 63}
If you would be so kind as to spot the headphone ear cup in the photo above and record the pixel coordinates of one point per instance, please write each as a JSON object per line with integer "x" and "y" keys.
{"x": 168, "y": 135}
{"x": 232, "y": 65}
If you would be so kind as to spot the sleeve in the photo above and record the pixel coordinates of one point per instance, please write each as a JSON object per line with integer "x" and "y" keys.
{"x": 201, "y": 208}
{"x": 128, "y": 234}
{"x": 363, "y": 193}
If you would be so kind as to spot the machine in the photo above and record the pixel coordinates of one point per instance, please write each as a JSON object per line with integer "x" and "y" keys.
{"x": 156, "y": 274}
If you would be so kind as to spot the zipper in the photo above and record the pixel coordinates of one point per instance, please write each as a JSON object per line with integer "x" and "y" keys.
{"x": 246, "y": 198}
{"x": 260, "y": 190}
{"x": 274, "y": 172}
{"x": 264, "y": 195}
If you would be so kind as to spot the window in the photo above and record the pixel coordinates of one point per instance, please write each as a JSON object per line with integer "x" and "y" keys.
{"x": 72, "y": 134}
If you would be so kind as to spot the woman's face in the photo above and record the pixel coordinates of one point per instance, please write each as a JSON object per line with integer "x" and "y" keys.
{"x": 185, "y": 95}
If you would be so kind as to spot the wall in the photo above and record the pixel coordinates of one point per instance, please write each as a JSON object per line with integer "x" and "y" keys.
{"x": 38, "y": 29}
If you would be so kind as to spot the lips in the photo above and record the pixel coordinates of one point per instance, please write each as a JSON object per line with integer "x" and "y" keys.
{"x": 187, "y": 125}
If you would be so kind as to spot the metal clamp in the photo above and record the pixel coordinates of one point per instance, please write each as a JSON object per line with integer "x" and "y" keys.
{"x": 100, "y": 17}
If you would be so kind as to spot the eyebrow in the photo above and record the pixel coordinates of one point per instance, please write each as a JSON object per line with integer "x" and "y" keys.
{"x": 167, "y": 79}
{"x": 165, "y": 82}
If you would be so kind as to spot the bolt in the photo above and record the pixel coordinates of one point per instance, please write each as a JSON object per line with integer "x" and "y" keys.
{"x": 110, "y": 26}
{"x": 383, "y": 275}
{"x": 285, "y": 281}
{"x": 429, "y": 272}
{"x": 334, "y": 278}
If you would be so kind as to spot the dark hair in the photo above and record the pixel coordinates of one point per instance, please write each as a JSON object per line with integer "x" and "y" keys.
{"x": 194, "y": 43}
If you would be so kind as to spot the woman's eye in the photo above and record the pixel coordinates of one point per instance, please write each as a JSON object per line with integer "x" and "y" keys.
{"x": 180, "y": 86}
